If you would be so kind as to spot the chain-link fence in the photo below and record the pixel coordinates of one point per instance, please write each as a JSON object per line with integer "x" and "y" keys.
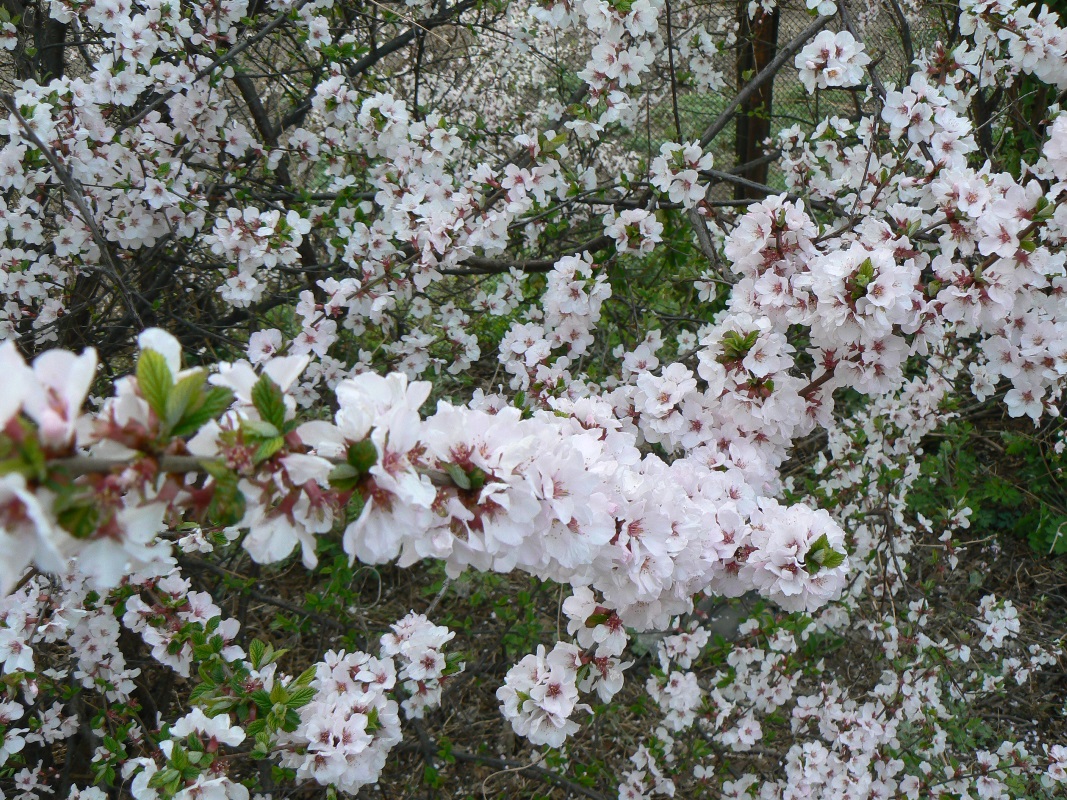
{"x": 891, "y": 32}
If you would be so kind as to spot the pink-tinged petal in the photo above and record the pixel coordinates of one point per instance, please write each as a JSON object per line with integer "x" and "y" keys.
{"x": 17, "y": 380}
{"x": 323, "y": 437}
{"x": 303, "y": 468}
{"x": 285, "y": 370}
{"x": 163, "y": 343}
{"x": 55, "y": 398}
{"x": 238, "y": 377}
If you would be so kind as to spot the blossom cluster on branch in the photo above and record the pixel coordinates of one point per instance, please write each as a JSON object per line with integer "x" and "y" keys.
{"x": 333, "y": 296}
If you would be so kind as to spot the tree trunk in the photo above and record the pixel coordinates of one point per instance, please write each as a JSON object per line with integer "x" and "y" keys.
{"x": 759, "y": 43}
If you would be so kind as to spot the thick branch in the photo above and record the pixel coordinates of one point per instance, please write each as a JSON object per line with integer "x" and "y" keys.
{"x": 478, "y": 265}
{"x": 92, "y": 465}
{"x": 766, "y": 74}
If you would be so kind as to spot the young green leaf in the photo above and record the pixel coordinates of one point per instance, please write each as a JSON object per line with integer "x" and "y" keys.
{"x": 267, "y": 448}
{"x": 186, "y": 395}
{"x": 458, "y": 476}
{"x": 155, "y": 380}
{"x": 269, "y": 401}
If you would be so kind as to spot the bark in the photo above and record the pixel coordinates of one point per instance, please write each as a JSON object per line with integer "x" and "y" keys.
{"x": 760, "y": 45}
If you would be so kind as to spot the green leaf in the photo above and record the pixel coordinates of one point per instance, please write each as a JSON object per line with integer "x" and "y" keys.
{"x": 306, "y": 677}
{"x": 458, "y": 476}
{"x": 218, "y": 470}
{"x": 362, "y": 455}
{"x": 819, "y": 544}
{"x": 301, "y": 697}
{"x": 278, "y": 693}
{"x": 373, "y": 723}
{"x": 262, "y": 701}
{"x": 735, "y": 346}
{"x": 263, "y": 744}
{"x": 267, "y": 448}
{"x": 160, "y": 779}
{"x": 187, "y": 395}
{"x": 477, "y": 478}
{"x": 34, "y": 456}
{"x": 256, "y": 649}
{"x": 79, "y": 520}
{"x": 269, "y": 401}
{"x": 822, "y": 556}
{"x": 227, "y": 503}
{"x": 155, "y": 379}
{"x": 833, "y": 559}
{"x": 344, "y": 477}
{"x": 291, "y": 721}
{"x": 179, "y": 759}
{"x": 260, "y": 429}
{"x": 214, "y": 403}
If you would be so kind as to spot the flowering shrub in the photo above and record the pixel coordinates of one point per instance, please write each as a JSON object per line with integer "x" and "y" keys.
{"x": 306, "y": 306}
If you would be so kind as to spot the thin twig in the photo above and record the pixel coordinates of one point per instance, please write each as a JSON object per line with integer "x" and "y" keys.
{"x": 230, "y": 54}
{"x": 77, "y": 195}
{"x": 674, "y": 78}
{"x": 529, "y": 770}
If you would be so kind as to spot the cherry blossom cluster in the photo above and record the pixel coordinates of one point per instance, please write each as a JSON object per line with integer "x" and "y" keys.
{"x": 571, "y": 310}
{"x": 832, "y": 59}
{"x": 540, "y": 694}
{"x": 376, "y": 221}
{"x": 847, "y": 740}
{"x": 418, "y": 645}
{"x": 676, "y": 172}
{"x": 252, "y": 240}
{"x": 633, "y": 229}
{"x": 623, "y": 39}
{"x": 337, "y": 722}
{"x": 999, "y": 622}
{"x": 647, "y": 778}
{"x": 1009, "y": 39}
{"x": 503, "y": 480}
{"x": 175, "y": 605}
{"x": 346, "y": 732}
{"x": 700, "y": 50}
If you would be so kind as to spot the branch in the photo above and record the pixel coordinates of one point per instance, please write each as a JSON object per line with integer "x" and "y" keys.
{"x": 905, "y": 37}
{"x": 405, "y": 38}
{"x": 478, "y": 265}
{"x": 296, "y": 116}
{"x": 530, "y": 770}
{"x": 90, "y": 465}
{"x": 766, "y": 74}
{"x": 233, "y": 52}
{"x": 879, "y": 87}
{"x": 818, "y": 383}
{"x": 250, "y": 94}
{"x": 190, "y": 563}
{"x": 76, "y": 466}
{"x": 731, "y": 177}
{"x": 77, "y": 196}
{"x": 704, "y": 241}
